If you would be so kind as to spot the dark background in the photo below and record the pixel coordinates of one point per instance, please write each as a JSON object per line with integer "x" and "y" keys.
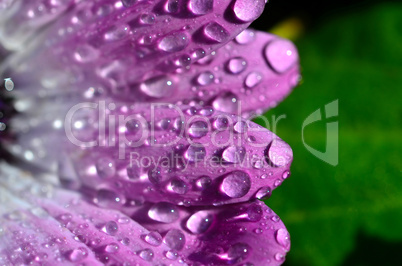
{"x": 350, "y": 51}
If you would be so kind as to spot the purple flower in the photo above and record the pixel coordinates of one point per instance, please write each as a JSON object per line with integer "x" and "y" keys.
{"x": 133, "y": 137}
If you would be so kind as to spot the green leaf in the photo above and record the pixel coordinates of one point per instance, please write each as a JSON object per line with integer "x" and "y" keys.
{"x": 356, "y": 58}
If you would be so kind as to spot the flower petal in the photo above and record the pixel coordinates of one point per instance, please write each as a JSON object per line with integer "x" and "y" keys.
{"x": 41, "y": 223}
{"x": 116, "y": 44}
{"x": 243, "y": 233}
{"x": 183, "y": 155}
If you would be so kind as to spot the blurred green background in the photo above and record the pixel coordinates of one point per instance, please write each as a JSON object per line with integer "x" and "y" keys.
{"x": 350, "y": 214}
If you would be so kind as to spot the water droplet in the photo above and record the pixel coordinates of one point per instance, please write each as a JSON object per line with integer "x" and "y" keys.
{"x": 221, "y": 123}
{"x": 279, "y": 153}
{"x": 282, "y": 237}
{"x": 239, "y": 252}
{"x": 253, "y": 79}
{"x": 112, "y": 248}
{"x": 133, "y": 172}
{"x": 254, "y": 212}
{"x": 286, "y": 174}
{"x": 195, "y": 152}
{"x": 245, "y": 37}
{"x": 78, "y": 254}
{"x": 183, "y": 61}
{"x": 178, "y": 186}
{"x": 236, "y": 65}
{"x": 172, "y": 6}
{"x": 226, "y": 102}
{"x": 153, "y": 238}
{"x": 108, "y": 198}
{"x": 105, "y": 167}
{"x": 206, "y": 111}
{"x": 236, "y": 184}
{"x": 86, "y": 53}
{"x": 117, "y": 32}
{"x": 147, "y": 18}
{"x": 258, "y": 231}
{"x": 163, "y": 212}
{"x": 9, "y": 84}
{"x": 123, "y": 220}
{"x": 203, "y": 182}
{"x": 263, "y": 193}
{"x": 147, "y": 254}
{"x": 175, "y": 239}
{"x": 125, "y": 241}
{"x": 171, "y": 255}
{"x": 216, "y": 32}
{"x": 155, "y": 176}
{"x": 240, "y": 127}
{"x": 234, "y": 154}
{"x": 198, "y": 54}
{"x": 198, "y": 129}
{"x": 275, "y": 218}
{"x": 200, "y": 7}
{"x": 281, "y": 55}
{"x": 199, "y": 222}
{"x": 279, "y": 257}
{"x": 205, "y": 78}
{"x": 129, "y": 3}
{"x": 174, "y": 42}
{"x": 248, "y": 10}
{"x": 157, "y": 87}
{"x": 110, "y": 228}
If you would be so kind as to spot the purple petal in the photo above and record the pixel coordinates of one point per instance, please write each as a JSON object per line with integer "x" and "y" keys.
{"x": 43, "y": 224}
{"x": 183, "y": 155}
{"x": 115, "y": 45}
{"x": 236, "y": 234}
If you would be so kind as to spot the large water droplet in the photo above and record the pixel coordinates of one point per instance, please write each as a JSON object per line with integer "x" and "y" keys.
{"x": 198, "y": 129}
{"x": 117, "y": 32}
{"x": 200, "y": 7}
{"x": 240, "y": 127}
{"x": 105, "y": 167}
{"x": 221, "y": 123}
{"x": 112, "y": 248}
{"x": 263, "y": 193}
{"x": 236, "y": 184}
{"x": 171, "y": 255}
{"x": 279, "y": 153}
{"x": 199, "y": 222}
{"x": 172, "y": 6}
{"x": 195, "y": 152}
{"x": 203, "y": 182}
{"x": 147, "y": 18}
{"x": 146, "y": 254}
{"x": 245, "y": 37}
{"x": 239, "y": 252}
{"x": 248, "y": 10}
{"x": 153, "y": 238}
{"x": 205, "y": 78}
{"x": 281, "y": 55}
{"x": 234, "y": 154}
{"x": 254, "y": 212}
{"x": 78, "y": 254}
{"x": 157, "y": 87}
{"x": 174, "y": 42}
{"x": 226, "y": 102}
{"x": 236, "y": 65}
{"x": 178, "y": 186}
{"x": 175, "y": 239}
{"x": 129, "y": 3}
{"x": 110, "y": 228}
{"x": 164, "y": 212}
{"x": 216, "y": 32}
{"x": 282, "y": 237}
{"x": 155, "y": 175}
{"x": 253, "y": 79}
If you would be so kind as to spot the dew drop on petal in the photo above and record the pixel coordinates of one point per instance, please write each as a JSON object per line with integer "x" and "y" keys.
{"x": 245, "y": 37}
{"x": 175, "y": 239}
{"x": 248, "y": 10}
{"x": 240, "y": 127}
{"x": 195, "y": 152}
{"x": 205, "y": 78}
{"x": 171, "y": 255}
{"x": 199, "y": 222}
{"x": 200, "y": 7}
{"x": 174, "y": 42}
{"x": 236, "y": 65}
{"x": 110, "y": 228}
{"x": 282, "y": 237}
{"x": 146, "y": 254}
{"x": 153, "y": 238}
{"x": 78, "y": 254}
{"x": 253, "y": 79}
{"x": 263, "y": 193}
{"x": 254, "y": 212}
{"x": 234, "y": 154}
{"x": 157, "y": 87}
{"x": 281, "y": 55}
{"x": 226, "y": 102}
{"x": 163, "y": 212}
{"x": 216, "y": 32}
{"x": 172, "y": 6}
{"x": 236, "y": 184}
{"x": 279, "y": 153}
{"x": 178, "y": 186}
{"x": 239, "y": 252}
{"x": 105, "y": 167}
{"x": 129, "y": 3}
{"x": 112, "y": 248}
{"x": 198, "y": 129}
{"x": 147, "y": 18}
{"x": 203, "y": 182}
